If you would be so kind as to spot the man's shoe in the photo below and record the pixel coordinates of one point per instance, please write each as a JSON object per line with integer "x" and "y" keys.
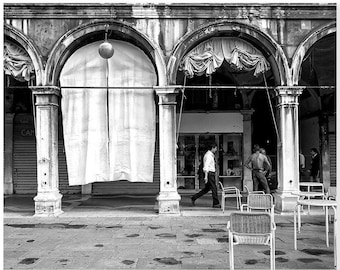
{"x": 192, "y": 202}
{"x": 217, "y": 206}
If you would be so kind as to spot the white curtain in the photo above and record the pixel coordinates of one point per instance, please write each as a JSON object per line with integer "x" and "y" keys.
{"x": 17, "y": 62}
{"x": 109, "y": 134}
{"x": 209, "y": 56}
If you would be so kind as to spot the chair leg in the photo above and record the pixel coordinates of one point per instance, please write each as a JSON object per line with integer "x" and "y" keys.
{"x": 272, "y": 253}
{"x": 231, "y": 253}
{"x": 239, "y": 201}
{"x": 223, "y": 203}
{"x": 327, "y": 227}
{"x": 295, "y": 241}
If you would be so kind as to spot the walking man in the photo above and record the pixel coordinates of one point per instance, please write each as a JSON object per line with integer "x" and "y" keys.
{"x": 209, "y": 170}
{"x": 260, "y": 166}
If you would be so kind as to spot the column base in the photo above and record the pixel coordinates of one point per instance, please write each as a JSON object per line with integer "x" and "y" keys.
{"x": 86, "y": 189}
{"x": 48, "y": 204}
{"x": 285, "y": 202}
{"x": 168, "y": 202}
{"x": 8, "y": 188}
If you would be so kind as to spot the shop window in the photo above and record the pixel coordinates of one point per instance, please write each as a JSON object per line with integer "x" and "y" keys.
{"x": 190, "y": 152}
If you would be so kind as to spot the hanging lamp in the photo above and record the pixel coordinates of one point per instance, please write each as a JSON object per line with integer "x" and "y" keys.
{"x": 105, "y": 49}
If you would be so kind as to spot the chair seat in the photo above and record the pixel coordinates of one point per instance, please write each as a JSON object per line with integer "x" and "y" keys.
{"x": 251, "y": 239}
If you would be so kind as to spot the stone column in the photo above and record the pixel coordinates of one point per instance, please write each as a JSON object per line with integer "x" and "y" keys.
{"x": 247, "y": 147}
{"x": 8, "y": 154}
{"x": 168, "y": 198}
{"x": 48, "y": 199}
{"x": 288, "y": 147}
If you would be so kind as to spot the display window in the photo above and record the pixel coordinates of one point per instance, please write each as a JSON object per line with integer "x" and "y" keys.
{"x": 191, "y": 149}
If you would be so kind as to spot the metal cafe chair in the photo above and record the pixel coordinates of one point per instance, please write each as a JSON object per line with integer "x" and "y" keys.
{"x": 253, "y": 192}
{"x": 259, "y": 202}
{"x": 230, "y": 192}
{"x": 251, "y": 228}
{"x": 331, "y": 193}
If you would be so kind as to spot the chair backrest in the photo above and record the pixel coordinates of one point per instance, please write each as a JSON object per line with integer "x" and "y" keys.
{"x": 253, "y": 192}
{"x": 260, "y": 202}
{"x": 250, "y": 222}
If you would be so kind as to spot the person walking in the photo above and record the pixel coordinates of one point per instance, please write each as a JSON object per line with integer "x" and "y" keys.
{"x": 209, "y": 169}
{"x": 315, "y": 165}
{"x": 259, "y": 164}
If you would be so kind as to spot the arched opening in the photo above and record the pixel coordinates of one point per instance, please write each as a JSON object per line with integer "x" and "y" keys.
{"x": 115, "y": 101}
{"x": 317, "y": 107}
{"x": 219, "y": 86}
{"x": 19, "y": 73}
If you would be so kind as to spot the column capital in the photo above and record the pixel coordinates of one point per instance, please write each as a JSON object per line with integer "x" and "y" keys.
{"x": 289, "y": 90}
{"x": 247, "y": 114}
{"x": 167, "y": 94}
{"x": 168, "y": 89}
{"x": 46, "y": 90}
{"x": 288, "y": 95}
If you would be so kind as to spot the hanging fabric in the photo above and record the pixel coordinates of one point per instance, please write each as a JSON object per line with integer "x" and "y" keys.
{"x": 209, "y": 56}
{"x": 241, "y": 56}
{"x": 17, "y": 62}
{"x": 109, "y": 133}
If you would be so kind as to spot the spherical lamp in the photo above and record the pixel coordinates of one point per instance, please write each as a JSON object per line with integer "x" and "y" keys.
{"x": 105, "y": 49}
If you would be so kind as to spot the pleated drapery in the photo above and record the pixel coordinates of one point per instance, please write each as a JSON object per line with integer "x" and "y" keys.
{"x": 209, "y": 56}
{"x": 17, "y": 62}
{"x": 109, "y": 134}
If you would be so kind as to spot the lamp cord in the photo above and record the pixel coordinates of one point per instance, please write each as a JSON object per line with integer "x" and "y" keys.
{"x": 271, "y": 109}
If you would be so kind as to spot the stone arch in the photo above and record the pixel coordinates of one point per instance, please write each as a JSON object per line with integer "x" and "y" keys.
{"x": 30, "y": 48}
{"x": 268, "y": 46}
{"x": 73, "y": 38}
{"x": 305, "y": 45}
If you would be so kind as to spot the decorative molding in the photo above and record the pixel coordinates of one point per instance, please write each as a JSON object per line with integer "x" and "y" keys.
{"x": 247, "y": 11}
{"x": 45, "y": 90}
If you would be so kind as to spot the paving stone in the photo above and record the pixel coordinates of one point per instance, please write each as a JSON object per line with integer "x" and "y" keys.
{"x": 109, "y": 240}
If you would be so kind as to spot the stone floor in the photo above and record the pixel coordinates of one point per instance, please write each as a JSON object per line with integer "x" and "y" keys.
{"x": 119, "y": 232}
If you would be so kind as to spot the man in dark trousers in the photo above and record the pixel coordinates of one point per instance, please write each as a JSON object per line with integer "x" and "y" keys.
{"x": 315, "y": 165}
{"x": 209, "y": 169}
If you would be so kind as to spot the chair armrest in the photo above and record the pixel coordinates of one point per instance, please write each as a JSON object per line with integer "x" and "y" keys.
{"x": 273, "y": 226}
{"x": 243, "y": 205}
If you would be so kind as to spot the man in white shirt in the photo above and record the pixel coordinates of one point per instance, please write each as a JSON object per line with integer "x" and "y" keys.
{"x": 209, "y": 169}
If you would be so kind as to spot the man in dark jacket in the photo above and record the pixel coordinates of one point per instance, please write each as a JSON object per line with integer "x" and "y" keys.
{"x": 315, "y": 165}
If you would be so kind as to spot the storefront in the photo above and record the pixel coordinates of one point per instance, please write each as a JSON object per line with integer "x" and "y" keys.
{"x": 224, "y": 129}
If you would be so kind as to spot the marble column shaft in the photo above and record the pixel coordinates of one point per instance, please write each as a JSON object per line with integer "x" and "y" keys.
{"x": 168, "y": 198}
{"x": 288, "y": 147}
{"x": 48, "y": 199}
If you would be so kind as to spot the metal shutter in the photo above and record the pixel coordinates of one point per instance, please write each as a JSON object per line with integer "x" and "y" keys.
{"x": 24, "y": 166}
{"x": 25, "y": 159}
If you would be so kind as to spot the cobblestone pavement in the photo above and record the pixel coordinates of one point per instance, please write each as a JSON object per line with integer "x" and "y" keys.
{"x": 83, "y": 238}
